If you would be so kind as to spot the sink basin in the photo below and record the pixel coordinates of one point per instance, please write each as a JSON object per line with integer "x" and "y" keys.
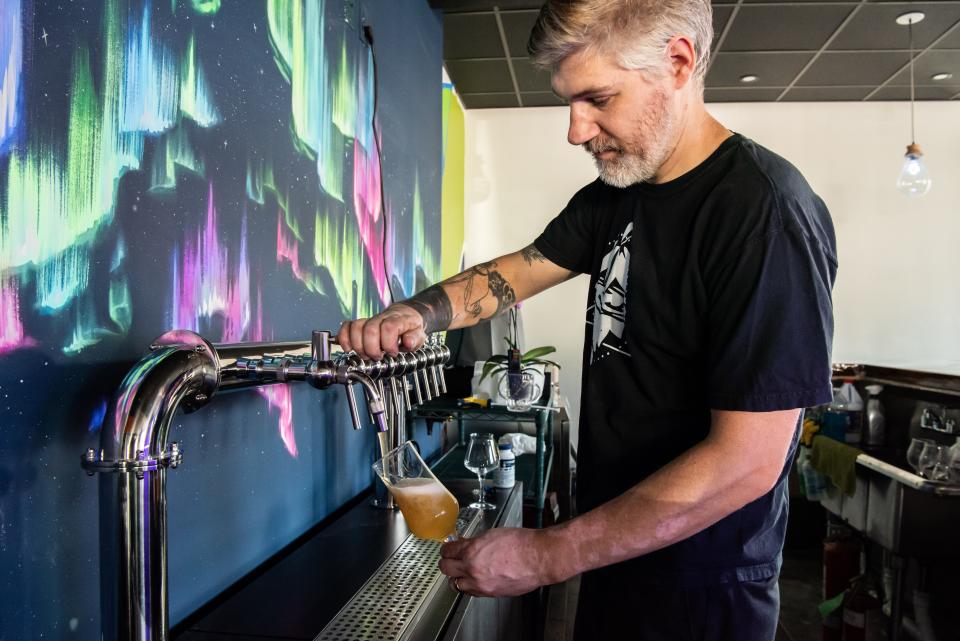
{"x": 906, "y": 513}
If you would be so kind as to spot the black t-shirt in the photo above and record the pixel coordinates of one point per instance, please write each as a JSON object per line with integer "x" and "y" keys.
{"x": 711, "y": 291}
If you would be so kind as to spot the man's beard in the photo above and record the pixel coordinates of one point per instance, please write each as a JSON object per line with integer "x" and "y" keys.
{"x": 640, "y": 161}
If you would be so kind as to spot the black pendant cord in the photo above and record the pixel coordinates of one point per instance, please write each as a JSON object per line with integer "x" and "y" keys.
{"x": 913, "y": 135}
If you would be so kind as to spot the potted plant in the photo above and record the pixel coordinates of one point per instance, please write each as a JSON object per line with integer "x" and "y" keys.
{"x": 521, "y": 380}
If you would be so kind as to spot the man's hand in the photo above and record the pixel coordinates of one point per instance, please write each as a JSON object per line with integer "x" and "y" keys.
{"x": 500, "y": 562}
{"x": 399, "y": 327}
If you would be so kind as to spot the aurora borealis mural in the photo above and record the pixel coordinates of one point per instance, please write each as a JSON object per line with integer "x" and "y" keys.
{"x": 207, "y": 165}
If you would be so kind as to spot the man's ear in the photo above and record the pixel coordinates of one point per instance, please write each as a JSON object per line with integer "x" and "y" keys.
{"x": 683, "y": 60}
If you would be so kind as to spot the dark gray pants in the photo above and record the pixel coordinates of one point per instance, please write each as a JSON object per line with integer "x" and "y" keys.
{"x": 746, "y": 611}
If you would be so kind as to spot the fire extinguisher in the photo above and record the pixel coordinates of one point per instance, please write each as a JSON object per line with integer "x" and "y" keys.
{"x": 841, "y": 563}
{"x": 862, "y": 619}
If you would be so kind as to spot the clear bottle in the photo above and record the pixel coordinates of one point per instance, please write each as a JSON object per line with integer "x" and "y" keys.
{"x": 876, "y": 419}
{"x": 505, "y": 476}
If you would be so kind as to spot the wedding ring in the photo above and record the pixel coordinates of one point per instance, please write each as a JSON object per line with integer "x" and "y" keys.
{"x": 456, "y": 585}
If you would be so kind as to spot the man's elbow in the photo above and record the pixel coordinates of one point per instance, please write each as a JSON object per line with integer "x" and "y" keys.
{"x": 762, "y": 478}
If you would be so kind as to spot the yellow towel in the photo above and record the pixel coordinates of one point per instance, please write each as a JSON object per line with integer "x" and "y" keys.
{"x": 837, "y": 461}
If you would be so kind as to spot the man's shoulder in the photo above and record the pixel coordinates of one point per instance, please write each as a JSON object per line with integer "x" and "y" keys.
{"x": 757, "y": 173}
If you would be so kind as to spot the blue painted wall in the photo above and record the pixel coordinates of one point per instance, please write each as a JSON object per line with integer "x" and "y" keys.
{"x": 157, "y": 170}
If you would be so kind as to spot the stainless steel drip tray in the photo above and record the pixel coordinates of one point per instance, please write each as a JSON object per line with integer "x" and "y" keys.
{"x": 392, "y": 602}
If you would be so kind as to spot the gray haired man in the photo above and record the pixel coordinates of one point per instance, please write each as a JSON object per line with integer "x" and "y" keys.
{"x": 709, "y": 326}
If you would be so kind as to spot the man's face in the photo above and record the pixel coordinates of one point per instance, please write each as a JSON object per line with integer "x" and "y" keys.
{"x": 623, "y": 118}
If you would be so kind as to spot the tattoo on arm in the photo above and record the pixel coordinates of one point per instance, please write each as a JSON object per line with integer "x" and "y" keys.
{"x": 434, "y": 306}
{"x": 531, "y": 254}
{"x": 475, "y": 291}
{"x": 479, "y": 283}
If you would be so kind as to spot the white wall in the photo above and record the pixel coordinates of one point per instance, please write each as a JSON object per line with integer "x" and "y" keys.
{"x": 897, "y": 297}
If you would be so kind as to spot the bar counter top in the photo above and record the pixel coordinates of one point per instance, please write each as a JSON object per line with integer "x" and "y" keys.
{"x": 302, "y": 592}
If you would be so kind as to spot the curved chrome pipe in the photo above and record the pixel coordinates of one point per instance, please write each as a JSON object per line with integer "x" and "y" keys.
{"x": 182, "y": 370}
{"x": 133, "y": 509}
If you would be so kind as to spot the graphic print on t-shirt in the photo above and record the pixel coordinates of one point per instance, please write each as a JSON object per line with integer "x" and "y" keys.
{"x": 609, "y": 310}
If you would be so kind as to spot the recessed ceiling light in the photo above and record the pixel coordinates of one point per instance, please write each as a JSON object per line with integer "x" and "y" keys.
{"x": 941, "y": 76}
{"x": 749, "y": 78}
{"x": 910, "y": 18}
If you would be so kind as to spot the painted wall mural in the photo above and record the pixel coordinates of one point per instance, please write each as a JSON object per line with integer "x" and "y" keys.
{"x": 212, "y": 166}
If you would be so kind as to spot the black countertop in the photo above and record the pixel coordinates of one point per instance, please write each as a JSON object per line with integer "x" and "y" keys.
{"x": 302, "y": 592}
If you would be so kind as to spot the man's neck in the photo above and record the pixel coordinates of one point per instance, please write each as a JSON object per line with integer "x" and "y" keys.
{"x": 700, "y": 135}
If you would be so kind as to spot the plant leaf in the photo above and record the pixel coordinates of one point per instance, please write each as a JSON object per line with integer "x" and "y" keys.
{"x": 537, "y": 352}
{"x": 543, "y": 361}
{"x": 489, "y": 368}
{"x": 497, "y": 358}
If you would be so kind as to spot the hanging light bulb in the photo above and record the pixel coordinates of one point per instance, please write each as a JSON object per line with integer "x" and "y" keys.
{"x": 913, "y": 181}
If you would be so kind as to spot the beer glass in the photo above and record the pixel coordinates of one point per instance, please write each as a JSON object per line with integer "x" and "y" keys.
{"x": 429, "y": 509}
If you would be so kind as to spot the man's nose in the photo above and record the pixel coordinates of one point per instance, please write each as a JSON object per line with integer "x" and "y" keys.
{"x": 582, "y": 128}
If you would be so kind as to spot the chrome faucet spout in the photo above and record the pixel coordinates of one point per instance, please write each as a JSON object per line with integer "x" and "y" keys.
{"x": 374, "y": 398}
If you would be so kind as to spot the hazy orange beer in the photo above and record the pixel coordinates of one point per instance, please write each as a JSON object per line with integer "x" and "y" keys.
{"x": 429, "y": 509}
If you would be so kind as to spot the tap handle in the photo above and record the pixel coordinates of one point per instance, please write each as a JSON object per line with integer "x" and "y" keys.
{"x": 401, "y": 383}
{"x": 431, "y": 374}
{"x": 320, "y": 345}
{"x": 352, "y": 402}
{"x": 425, "y": 382}
{"x": 398, "y": 405}
{"x": 415, "y": 384}
{"x": 441, "y": 378}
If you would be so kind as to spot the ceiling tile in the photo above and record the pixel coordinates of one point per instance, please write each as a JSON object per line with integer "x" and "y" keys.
{"x": 941, "y": 92}
{"x": 489, "y": 100}
{"x": 826, "y": 94}
{"x": 853, "y": 68}
{"x": 874, "y": 26}
{"x": 484, "y": 5}
{"x": 933, "y": 61}
{"x": 480, "y": 76}
{"x": 516, "y": 27}
{"x": 771, "y": 69}
{"x": 530, "y": 78}
{"x": 787, "y": 27}
{"x": 745, "y": 94}
{"x": 951, "y": 40}
{"x": 720, "y": 16}
{"x": 540, "y": 99}
{"x": 471, "y": 35}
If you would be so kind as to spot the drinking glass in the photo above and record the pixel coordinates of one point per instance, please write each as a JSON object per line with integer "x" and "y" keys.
{"x": 429, "y": 509}
{"x": 520, "y": 390}
{"x": 482, "y": 457}
{"x": 930, "y": 459}
{"x": 953, "y": 463}
{"x": 914, "y": 452}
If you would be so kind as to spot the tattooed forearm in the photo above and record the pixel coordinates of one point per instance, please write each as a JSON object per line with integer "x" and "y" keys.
{"x": 434, "y": 306}
{"x": 531, "y": 254}
{"x": 482, "y": 281}
{"x": 502, "y": 291}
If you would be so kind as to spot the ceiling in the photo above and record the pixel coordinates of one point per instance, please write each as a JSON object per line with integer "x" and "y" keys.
{"x": 799, "y": 51}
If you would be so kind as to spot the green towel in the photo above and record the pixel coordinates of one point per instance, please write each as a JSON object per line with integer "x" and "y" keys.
{"x": 837, "y": 461}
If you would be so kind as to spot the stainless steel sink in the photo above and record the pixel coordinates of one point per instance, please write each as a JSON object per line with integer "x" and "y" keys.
{"x": 908, "y": 514}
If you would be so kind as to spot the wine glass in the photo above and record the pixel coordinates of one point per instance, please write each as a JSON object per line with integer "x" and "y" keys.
{"x": 429, "y": 509}
{"x": 482, "y": 457}
{"x": 914, "y": 452}
{"x": 930, "y": 459}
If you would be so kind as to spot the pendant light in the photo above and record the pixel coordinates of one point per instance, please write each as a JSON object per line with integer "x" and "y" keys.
{"x": 913, "y": 181}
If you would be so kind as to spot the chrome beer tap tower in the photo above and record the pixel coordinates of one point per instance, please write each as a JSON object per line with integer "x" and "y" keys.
{"x": 184, "y": 370}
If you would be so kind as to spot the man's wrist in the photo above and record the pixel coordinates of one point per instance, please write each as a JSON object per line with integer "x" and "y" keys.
{"x": 434, "y": 308}
{"x": 558, "y": 560}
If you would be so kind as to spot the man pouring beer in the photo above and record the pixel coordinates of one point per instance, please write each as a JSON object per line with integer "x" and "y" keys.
{"x": 709, "y": 326}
